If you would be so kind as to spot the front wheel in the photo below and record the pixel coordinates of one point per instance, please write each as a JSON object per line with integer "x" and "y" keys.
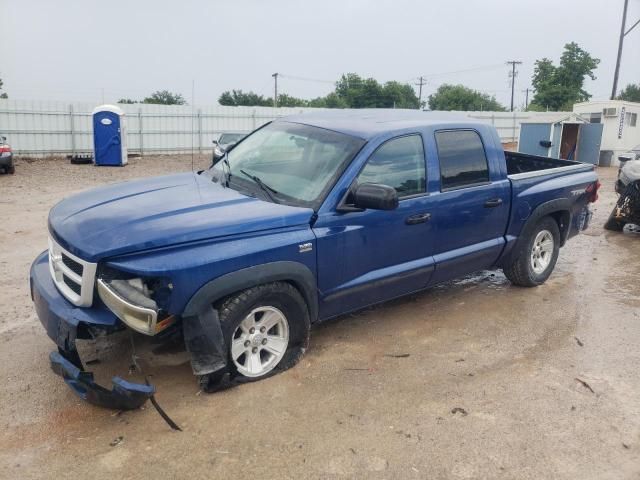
{"x": 266, "y": 330}
{"x": 536, "y": 256}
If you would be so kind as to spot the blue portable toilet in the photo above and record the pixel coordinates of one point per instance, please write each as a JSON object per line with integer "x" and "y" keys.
{"x": 109, "y": 136}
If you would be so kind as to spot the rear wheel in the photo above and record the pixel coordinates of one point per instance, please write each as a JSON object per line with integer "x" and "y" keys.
{"x": 536, "y": 256}
{"x": 266, "y": 330}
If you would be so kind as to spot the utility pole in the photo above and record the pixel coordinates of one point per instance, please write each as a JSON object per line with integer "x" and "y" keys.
{"x": 275, "y": 92}
{"x": 420, "y": 84}
{"x": 513, "y": 74}
{"x": 526, "y": 97}
{"x": 620, "y": 43}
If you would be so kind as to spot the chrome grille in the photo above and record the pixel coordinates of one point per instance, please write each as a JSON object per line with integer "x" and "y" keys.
{"x": 73, "y": 277}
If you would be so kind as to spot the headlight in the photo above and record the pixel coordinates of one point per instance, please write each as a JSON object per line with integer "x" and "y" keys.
{"x": 131, "y": 301}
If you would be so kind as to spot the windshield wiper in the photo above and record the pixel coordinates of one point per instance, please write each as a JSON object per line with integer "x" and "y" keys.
{"x": 265, "y": 188}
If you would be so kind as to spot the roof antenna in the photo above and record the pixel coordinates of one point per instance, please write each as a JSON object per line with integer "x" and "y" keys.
{"x": 193, "y": 95}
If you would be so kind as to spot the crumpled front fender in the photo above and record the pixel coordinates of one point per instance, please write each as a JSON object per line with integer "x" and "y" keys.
{"x": 123, "y": 396}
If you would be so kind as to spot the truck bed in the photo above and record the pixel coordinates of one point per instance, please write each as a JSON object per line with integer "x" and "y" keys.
{"x": 519, "y": 163}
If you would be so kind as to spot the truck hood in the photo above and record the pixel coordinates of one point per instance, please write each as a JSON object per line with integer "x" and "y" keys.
{"x": 158, "y": 212}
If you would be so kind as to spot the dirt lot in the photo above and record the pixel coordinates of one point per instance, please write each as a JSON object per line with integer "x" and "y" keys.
{"x": 472, "y": 379}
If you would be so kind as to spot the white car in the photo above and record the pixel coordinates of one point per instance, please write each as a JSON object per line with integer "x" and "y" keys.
{"x": 633, "y": 154}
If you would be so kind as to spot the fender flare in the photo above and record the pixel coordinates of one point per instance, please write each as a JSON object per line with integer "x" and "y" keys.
{"x": 560, "y": 206}
{"x": 200, "y": 323}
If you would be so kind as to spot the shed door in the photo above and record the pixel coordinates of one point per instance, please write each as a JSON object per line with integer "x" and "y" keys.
{"x": 589, "y": 140}
{"x": 556, "y": 140}
{"x": 106, "y": 139}
{"x": 531, "y": 134}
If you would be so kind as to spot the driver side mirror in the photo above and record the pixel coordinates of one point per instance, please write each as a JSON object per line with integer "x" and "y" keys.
{"x": 218, "y": 154}
{"x": 375, "y": 196}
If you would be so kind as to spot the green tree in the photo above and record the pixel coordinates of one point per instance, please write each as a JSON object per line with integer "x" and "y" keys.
{"x": 332, "y": 100}
{"x": 399, "y": 95}
{"x": 237, "y": 98}
{"x": 285, "y": 100}
{"x": 358, "y": 92}
{"x": 3, "y": 94}
{"x": 630, "y": 93}
{"x": 165, "y": 97}
{"x": 351, "y": 91}
{"x": 354, "y": 91}
{"x": 459, "y": 97}
{"x": 559, "y": 87}
{"x": 127, "y": 101}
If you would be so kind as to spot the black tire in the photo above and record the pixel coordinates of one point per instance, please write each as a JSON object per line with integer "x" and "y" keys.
{"x": 520, "y": 271}
{"x": 11, "y": 169}
{"x": 80, "y": 160}
{"x": 613, "y": 223}
{"x": 280, "y": 295}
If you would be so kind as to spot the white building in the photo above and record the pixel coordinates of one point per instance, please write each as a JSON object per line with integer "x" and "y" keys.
{"x": 621, "y": 131}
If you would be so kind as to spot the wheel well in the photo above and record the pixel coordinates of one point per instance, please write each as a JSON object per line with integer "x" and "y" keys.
{"x": 563, "y": 219}
{"x": 218, "y": 303}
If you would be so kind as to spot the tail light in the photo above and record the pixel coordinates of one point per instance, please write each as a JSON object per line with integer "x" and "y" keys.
{"x": 592, "y": 191}
{"x": 5, "y": 149}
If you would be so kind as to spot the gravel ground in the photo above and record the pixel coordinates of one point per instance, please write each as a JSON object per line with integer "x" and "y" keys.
{"x": 471, "y": 379}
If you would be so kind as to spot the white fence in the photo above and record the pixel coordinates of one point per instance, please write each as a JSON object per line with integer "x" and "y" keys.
{"x": 48, "y": 128}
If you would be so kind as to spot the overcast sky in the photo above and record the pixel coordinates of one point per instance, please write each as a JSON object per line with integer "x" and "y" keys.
{"x": 78, "y": 49}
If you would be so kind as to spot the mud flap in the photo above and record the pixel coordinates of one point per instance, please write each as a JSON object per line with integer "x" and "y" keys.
{"x": 123, "y": 396}
{"x": 204, "y": 341}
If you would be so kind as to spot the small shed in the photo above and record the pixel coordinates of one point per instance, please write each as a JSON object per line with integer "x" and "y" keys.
{"x": 566, "y": 136}
{"x": 109, "y": 136}
{"x": 619, "y": 119}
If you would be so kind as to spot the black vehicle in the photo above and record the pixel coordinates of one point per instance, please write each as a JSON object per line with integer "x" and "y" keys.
{"x": 627, "y": 208}
{"x": 6, "y": 156}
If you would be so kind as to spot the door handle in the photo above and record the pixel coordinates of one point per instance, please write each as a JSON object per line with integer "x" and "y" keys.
{"x": 418, "y": 218}
{"x": 494, "y": 202}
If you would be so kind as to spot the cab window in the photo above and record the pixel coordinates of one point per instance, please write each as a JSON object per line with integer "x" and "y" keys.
{"x": 463, "y": 162}
{"x": 398, "y": 163}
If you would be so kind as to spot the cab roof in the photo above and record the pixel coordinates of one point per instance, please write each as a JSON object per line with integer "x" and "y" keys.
{"x": 367, "y": 123}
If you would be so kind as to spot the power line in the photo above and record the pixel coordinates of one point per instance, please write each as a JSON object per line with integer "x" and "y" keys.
{"x": 306, "y": 79}
{"x": 473, "y": 69}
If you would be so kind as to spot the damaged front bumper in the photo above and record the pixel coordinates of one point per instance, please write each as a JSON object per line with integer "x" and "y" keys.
{"x": 64, "y": 323}
{"x": 123, "y": 396}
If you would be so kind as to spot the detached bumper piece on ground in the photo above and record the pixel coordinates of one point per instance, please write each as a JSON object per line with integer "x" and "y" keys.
{"x": 123, "y": 396}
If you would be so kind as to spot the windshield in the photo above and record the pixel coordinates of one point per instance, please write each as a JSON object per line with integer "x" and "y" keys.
{"x": 296, "y": 163}
{"x": 230, "y": 137}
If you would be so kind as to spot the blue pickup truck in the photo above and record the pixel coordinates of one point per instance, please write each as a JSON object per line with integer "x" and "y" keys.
{"x": 307, "y": 218}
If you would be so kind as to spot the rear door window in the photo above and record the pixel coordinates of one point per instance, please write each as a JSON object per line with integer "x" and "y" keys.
{"x": 398, "y": 163}
{"x": 463, "y": 162}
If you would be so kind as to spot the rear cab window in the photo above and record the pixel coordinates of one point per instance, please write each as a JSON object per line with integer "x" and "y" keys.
{"x": 463, "y": 161}
{"x": 398, "y": 163}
